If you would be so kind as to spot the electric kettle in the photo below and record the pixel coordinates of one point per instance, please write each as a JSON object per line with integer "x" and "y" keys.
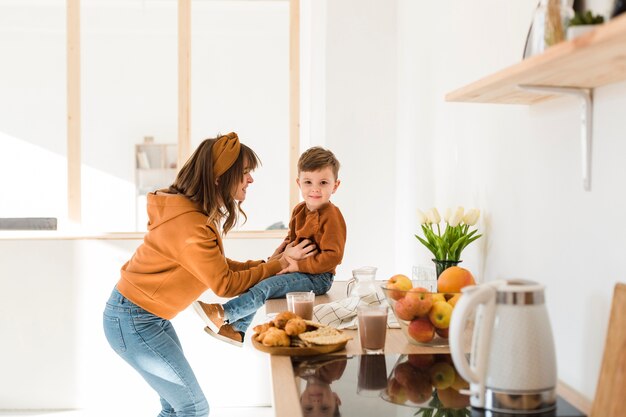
{"x": 512, "y": 364}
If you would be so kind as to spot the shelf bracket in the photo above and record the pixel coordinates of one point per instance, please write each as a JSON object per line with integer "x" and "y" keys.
{"x": 586, "y": 120}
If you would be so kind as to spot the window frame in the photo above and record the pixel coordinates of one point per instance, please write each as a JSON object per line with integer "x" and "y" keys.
{"x": 74, "y": 139}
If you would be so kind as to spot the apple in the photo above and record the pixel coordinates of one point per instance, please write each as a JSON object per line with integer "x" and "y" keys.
{"x": 421, "y": 361}
{"x": 406, "y": 308}
{"x": 452, "y": 301}
{"x": 451, "y": 398}
{"x": 422, "y": 299}
{"x": 444, "y": 357}
{"x": 440, "y": 314}
{"x": 399, "y": 282}
{"x": 405, "y": 373}
{"x": 442, "y": 375}
{"x": 442, "y": 332}
{"x": 459, "y": 383}
{"x": 396, "y": 391}
{"x": 437, "y": 296}
{"x": 421, "y": 390}
{"x": 422, "y": 330}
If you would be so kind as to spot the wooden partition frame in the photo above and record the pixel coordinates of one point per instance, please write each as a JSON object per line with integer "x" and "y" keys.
{"x": 184, "y": 81}
{"x": 74, "y": 159}
{"x": 294, "y": 100}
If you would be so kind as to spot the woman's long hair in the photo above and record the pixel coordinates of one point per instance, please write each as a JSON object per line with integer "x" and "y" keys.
{"x": 214, "y": 196}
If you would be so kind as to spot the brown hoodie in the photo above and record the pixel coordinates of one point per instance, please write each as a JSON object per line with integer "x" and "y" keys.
{"x": 181, "y": 257}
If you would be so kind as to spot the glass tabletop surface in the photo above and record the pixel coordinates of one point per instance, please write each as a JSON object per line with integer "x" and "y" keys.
{"x": 390, "y": 385}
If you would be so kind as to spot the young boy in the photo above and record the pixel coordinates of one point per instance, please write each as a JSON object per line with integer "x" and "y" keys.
{"x": 316, "y": 219}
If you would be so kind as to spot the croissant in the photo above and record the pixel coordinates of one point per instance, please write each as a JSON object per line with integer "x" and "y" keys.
{"x": 282, "y": 318}
{"x": 275, "y": 337}
{"x": 260, "y": 328}
{"x": 295, "y": 327}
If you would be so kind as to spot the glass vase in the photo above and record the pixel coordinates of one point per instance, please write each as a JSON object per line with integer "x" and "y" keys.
{"x": 549, "y": 25}
{"x": 441, "y": 265}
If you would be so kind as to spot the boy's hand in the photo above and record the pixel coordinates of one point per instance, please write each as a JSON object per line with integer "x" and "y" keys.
{"x": 293, "y": 253}
{"x": 300, "y": 251}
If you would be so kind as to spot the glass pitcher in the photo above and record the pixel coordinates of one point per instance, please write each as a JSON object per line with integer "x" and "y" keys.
{"x": 362, "y": 282}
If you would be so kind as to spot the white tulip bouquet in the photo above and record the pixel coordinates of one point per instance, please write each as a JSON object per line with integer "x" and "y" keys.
{"x": 456, "y": 234}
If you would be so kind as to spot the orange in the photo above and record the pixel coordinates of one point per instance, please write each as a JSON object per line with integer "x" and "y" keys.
{"x": 453, "y": 279}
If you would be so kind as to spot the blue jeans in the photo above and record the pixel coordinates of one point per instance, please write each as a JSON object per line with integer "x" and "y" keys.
{"x": 150, "y": 345}
{"x": 240, "y": 311}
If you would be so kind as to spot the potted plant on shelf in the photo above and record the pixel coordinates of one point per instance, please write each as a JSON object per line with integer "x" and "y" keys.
{"x": 446, "y": 242}
{"x": 583, "y": 23}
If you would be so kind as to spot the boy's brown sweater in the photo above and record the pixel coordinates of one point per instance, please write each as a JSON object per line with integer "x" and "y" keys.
{"x": 327, "y": 228}
{"x": 181, "y": 257}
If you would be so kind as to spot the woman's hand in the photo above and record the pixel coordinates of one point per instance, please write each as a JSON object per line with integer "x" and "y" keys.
{"x": 278, "y": 252}
{"x": 300, "y": 251}
{"x": 288, "y": 264}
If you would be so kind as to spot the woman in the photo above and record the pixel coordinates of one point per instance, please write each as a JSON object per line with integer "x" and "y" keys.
{"x": 180, "y": 258}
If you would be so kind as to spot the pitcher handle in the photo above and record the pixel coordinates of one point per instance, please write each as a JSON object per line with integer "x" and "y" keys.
{"x": 351, "y": 282}
{"x": 475, "y": 373}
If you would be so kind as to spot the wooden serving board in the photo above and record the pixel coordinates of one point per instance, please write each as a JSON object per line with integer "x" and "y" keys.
{"x": 299, "y": 351}
{"x": 609, "y": 399}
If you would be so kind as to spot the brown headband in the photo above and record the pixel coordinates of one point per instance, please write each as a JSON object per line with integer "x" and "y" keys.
{"x": 225, "y": 152}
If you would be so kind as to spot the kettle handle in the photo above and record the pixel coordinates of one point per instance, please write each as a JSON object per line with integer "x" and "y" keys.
{"x": 482, "y": 299}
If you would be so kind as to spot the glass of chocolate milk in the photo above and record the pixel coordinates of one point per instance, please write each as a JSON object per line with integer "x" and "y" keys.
{"x": 372, "y": 327}
{"x": 301, "y": 303}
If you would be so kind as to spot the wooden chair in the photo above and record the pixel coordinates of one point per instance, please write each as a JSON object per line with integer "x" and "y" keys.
{"x": 611, "y": 389}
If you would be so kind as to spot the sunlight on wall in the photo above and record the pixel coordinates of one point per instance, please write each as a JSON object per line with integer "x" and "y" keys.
{"x": 34, "y": 180}
{"x": 108, "y": 201}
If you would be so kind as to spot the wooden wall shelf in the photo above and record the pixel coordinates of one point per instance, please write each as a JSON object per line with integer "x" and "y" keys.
{"x": 594, "y": 59}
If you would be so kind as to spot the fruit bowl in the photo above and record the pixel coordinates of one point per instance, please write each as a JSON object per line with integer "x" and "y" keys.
{"x": 428, "y": 382}
{"x": 424, "y": 317}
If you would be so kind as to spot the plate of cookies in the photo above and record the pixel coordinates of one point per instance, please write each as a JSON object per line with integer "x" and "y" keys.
{"x": 290, "y": 335}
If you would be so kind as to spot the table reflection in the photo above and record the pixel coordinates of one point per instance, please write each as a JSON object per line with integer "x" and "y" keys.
{"x": 424, "y": 385}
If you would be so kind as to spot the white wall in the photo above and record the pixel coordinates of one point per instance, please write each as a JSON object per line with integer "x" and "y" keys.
{"x": 53, "y": 352}
{"x": 520, "y": 165}
{"x": 361, "y": 126}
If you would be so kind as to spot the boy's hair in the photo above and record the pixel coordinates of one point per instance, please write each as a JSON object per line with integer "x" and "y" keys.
{"x": 317, "y": 158}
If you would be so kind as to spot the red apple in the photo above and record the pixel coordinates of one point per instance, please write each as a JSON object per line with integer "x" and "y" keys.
{"x": 406, "y": 308}
{"x": 442, "y": 332}
{"x": 421, "y": 390}
{"x": 421, "y": 330}
{"x": 396, "y": 391}
{"x": 405, "y": 373}
{"x": 421, "y": 361}
{"x": 422, "y": 298}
